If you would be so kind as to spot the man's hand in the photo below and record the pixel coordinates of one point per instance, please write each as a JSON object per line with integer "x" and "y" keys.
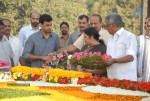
{"x": 110, "y": 61}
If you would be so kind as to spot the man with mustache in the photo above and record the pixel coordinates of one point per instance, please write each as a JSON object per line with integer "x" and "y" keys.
{"x": 96, "y": 22}
{"x": 6, "y": 53}
{"x": 40, "y": 44}
{"x": 64, "y": 28}
{"x": 26, "y": 31}
{"x": 82, "y": 24}
{"x": 14, "y": 41}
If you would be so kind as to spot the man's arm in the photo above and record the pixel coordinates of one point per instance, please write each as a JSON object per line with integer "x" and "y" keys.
{"x": 27, "y": 53}
{"x": 78, "y": 44}
{"x": 125, "y": 59}
{"x": 70, "y": 48}
{"x": 21, "y": 37}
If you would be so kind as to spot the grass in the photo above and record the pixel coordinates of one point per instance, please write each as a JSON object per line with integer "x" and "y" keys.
{"x": 13, "y": 93}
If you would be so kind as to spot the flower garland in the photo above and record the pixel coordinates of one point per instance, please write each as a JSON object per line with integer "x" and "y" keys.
{"x": 124, "y": 84}
{"x": 27, "y": 73}
{"x": 64, "y": 76}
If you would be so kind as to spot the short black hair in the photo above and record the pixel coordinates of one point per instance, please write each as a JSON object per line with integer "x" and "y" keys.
{"x": 65, "y": 23}
{"x": 83, "y": 16}
{"x": 1, "y": 22}
{"x": 45, "y": 17}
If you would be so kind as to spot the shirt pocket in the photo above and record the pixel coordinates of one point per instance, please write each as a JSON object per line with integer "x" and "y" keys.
{"x": 120, "y": 49}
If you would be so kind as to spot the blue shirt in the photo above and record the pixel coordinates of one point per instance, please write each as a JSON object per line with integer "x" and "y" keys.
{"x": 40, "y": 46}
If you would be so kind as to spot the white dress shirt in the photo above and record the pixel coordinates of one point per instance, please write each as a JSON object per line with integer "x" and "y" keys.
{"x": 6, "y": 52}
{"x": 25, "y": 32}
{"x": 17, "y": 48}
{"x": 123, "y": 43}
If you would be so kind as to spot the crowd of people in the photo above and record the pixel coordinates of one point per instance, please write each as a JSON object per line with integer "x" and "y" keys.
{"x": 130, "y": 53}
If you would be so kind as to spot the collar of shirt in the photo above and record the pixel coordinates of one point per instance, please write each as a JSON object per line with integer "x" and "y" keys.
{"x": 119, "y": 32}
{"x": 4, "y": 38}
{"x": 146, "y": 36}
{"x": 79, "y": 33}
{"x": 61, "y": 37}
{"x": 101, "y": 31}
{"x": 30, "y": 27}
{"x": 42, "y": 36}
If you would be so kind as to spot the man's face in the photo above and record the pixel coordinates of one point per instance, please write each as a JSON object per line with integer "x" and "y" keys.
{"x": 46, "y": 26}
{"x": 109, "y": 27}
{"x": 148, "y": 28}
{"x": 94, "y": 22}
{"x": 35, "y": 19}
{"x": 64, "y": 29}
{"x": 1, "y": 31}
{"x": 7, "y": 27}
{"x": 82, "y": 23}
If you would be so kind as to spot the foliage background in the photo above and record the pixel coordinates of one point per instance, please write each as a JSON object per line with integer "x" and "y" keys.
{"x": 18, "y": 11}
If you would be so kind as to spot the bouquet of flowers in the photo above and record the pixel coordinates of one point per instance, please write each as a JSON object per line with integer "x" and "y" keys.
{"x": 90, "y": 60}
{"x": 57, "y": 59}
{"x": 3, "y": 63}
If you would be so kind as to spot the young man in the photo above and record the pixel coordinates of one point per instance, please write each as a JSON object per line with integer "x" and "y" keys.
{"x": 64, "y": 28}
{"x": 40, "y": 44}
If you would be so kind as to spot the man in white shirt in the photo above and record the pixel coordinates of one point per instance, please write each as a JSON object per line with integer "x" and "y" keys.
{"x": 26, "y": 31}
{"x": 123, "y": 49}
{"x": 14, "y": 41}
{"x": 96, "y": 22}
{"x": 6, "y": 53}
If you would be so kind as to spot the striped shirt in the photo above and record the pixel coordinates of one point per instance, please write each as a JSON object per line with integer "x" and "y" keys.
{"x": 144, "y": 58}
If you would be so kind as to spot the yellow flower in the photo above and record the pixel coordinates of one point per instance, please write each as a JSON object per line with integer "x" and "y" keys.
{"x": 50, "y": 78}
{"x": 56, "y": 79}
{"x": 15, "y": 75}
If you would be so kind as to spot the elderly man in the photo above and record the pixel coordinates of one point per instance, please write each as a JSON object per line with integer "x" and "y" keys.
{"x": 96, "y": 22}
{"x": 14, "y": 41}
{"x": 122, "y": 46}
{"x": 6, "y": 52}
{"x": 144, "y": 54}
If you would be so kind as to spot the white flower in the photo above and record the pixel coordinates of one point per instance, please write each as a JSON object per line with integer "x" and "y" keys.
{"x": 19, "y": 74}
{"x": 69, "y": 57}
{"x": 1, "y": 76}
{"x": 74, "y": 80}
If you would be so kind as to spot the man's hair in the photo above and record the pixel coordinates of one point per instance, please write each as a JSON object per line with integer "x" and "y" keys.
{"x": 1, "y": 22}
{"x": 83, "y": 16}
{"x": 99, "y": 17}
{"x": 6, "y": 20}
{"x": 115, "y": 18}
{"x": 34, "y": 12}
{"x": 64, "y": 23}
{"x": 45, "y": 17}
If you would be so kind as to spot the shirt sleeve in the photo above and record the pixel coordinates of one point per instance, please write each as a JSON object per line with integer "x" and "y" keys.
{"x": 57, "y": 43}
{"x": 29, "y": 45}
{"x": 79, "y": 43}
{"x": 70, "y": 40}
{"x": 22, "y": 37}
{"x": 131, "y": 46}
